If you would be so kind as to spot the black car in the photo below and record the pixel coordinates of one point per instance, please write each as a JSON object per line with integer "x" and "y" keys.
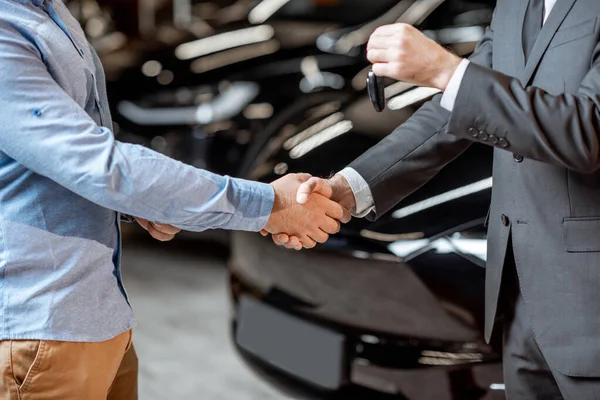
{"x": 386, "y": 308}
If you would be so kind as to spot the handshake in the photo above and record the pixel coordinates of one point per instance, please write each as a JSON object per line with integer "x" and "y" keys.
{"x": 308, "y": 209}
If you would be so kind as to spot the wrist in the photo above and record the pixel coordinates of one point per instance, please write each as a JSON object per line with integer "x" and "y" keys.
{"x": 274, "y": 208}
{"x": 447, "y": 69}
{"x": 342, "y": 192}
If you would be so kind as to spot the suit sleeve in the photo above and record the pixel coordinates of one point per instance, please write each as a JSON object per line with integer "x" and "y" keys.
{"x": 562, "y": 130}
{"x": 417, "y": 150}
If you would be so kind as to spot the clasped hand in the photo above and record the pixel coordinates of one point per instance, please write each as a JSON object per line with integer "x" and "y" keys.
{"x": 307, "y": 210}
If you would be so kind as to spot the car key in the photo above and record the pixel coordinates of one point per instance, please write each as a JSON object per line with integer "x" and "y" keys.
{"x": 376, "y": 91}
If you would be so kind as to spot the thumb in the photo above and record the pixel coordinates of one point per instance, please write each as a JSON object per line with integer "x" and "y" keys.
{"x": 313, "y": 185}
{"x": 142, "y": 222}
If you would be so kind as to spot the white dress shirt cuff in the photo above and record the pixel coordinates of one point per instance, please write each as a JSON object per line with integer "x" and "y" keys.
{"x": 360, "y": 189}
{"x": 449, "y": 96}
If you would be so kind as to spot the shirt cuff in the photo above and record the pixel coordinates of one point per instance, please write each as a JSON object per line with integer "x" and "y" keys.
{"x": 360, "y": 189}
{"x": 449, "y": 96}
{"x": 253, "y": 203}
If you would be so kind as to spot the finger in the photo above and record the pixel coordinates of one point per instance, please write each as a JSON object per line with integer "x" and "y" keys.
{"x": 384, "y": 43}
{"x": 313, "y": 185}
{"x": 163, "y": 237}
{"x": 165, "y": 228}
{"x": 330, "y": 226}
{"x": 307, "y": 242}
{"x": 142, "y": 222}
{"x": 383, "y": 69}
{"x": 319, "y": 236}
{"x": 264, "y": 233}
{"x": 156, "y": 234}
{"x": 294, "y": 243}
{"x": 391, "y": 29}
{"x": 336, "y": 211}
{"x": 281, "y": 238}
{"x": 289, "y": 247}
{"x": 303, "y": 176}
{"x": 347, "y": 217}
{"x": 380, "y": 56}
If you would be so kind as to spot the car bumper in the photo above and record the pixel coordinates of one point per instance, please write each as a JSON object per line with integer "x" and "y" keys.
{"x": 303, "y": 316}
{"x": 346, "y": 371}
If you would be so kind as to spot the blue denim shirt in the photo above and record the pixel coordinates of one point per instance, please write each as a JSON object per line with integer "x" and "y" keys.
{"x": 64, "y": 179}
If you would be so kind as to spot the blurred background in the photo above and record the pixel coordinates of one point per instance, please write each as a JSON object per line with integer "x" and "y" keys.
{"x": 391, "y": 309}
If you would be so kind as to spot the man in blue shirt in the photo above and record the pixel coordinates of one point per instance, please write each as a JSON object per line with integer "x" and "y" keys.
{"x": 65, "y": 321}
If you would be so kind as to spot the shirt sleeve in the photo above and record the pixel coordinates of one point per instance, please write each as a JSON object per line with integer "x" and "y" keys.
{"x": 449, "y": 96}
{"x": 360, "y": 189}
{"x": 50, "y": 134}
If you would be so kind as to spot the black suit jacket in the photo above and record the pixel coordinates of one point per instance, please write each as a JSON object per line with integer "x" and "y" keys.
{"x": 548, "y": 198}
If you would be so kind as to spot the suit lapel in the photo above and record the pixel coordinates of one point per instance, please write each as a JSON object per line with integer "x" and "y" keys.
{"x": 555, "y": 19}
{"x": 519, "y": 58}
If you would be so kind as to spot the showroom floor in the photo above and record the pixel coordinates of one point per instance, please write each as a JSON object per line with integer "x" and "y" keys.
{"x": 178, "y": 291}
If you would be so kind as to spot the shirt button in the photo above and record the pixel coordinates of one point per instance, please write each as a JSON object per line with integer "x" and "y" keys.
{"x": 518, "y": 158}
{"x": 82, "y": 52}
{"x": 482, "y": 136}
{"x": 37, "y": 112}
{"x": 505, "y": 220}
{"x": 503, "y": 143}
{"x": 473, "y": 132}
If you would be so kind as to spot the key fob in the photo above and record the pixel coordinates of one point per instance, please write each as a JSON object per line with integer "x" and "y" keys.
{"x": 376, "y": 91}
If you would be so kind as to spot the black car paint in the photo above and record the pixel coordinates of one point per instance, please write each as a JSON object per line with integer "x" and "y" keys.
{"x": 451, "y": 280}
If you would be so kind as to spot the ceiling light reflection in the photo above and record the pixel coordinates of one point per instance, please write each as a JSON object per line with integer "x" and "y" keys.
{"x": 420, "y": 10}
{"x": 258, "y": 111}
{"x": 320, "y": 138}
{"x": 397, "y": 88}
{"x": 461, "y": 34}
{"x": 152, "y": 68}
{"x": 224, "y": 41}
{"x": 165, "y": 77}
{"x": 233, "y": 56}
{"x": 264, "y": 10}
{"x": 443, "y": 198}
{"x": 390, "y": 237}
{"x": 446, "y": 245}
{"x": 408, "y": 11}
{"x": 411, "y": 97}
{"x": 310, "y": 131}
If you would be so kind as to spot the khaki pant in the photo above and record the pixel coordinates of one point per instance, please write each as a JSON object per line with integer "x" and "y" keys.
{"x": 49, "y": 370}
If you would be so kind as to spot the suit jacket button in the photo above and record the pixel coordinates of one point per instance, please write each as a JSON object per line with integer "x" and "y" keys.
{"x": 493, "y": 139}
{"x": 503, "y": 143}
{"x": 473, "y": 132}
{"x": 482, "y": 136}
{"x": 518, "y": 158}
{"x": 505, "y": 220}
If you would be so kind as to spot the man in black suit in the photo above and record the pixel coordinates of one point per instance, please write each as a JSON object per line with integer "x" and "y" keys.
{"x": 532, "y": 91}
